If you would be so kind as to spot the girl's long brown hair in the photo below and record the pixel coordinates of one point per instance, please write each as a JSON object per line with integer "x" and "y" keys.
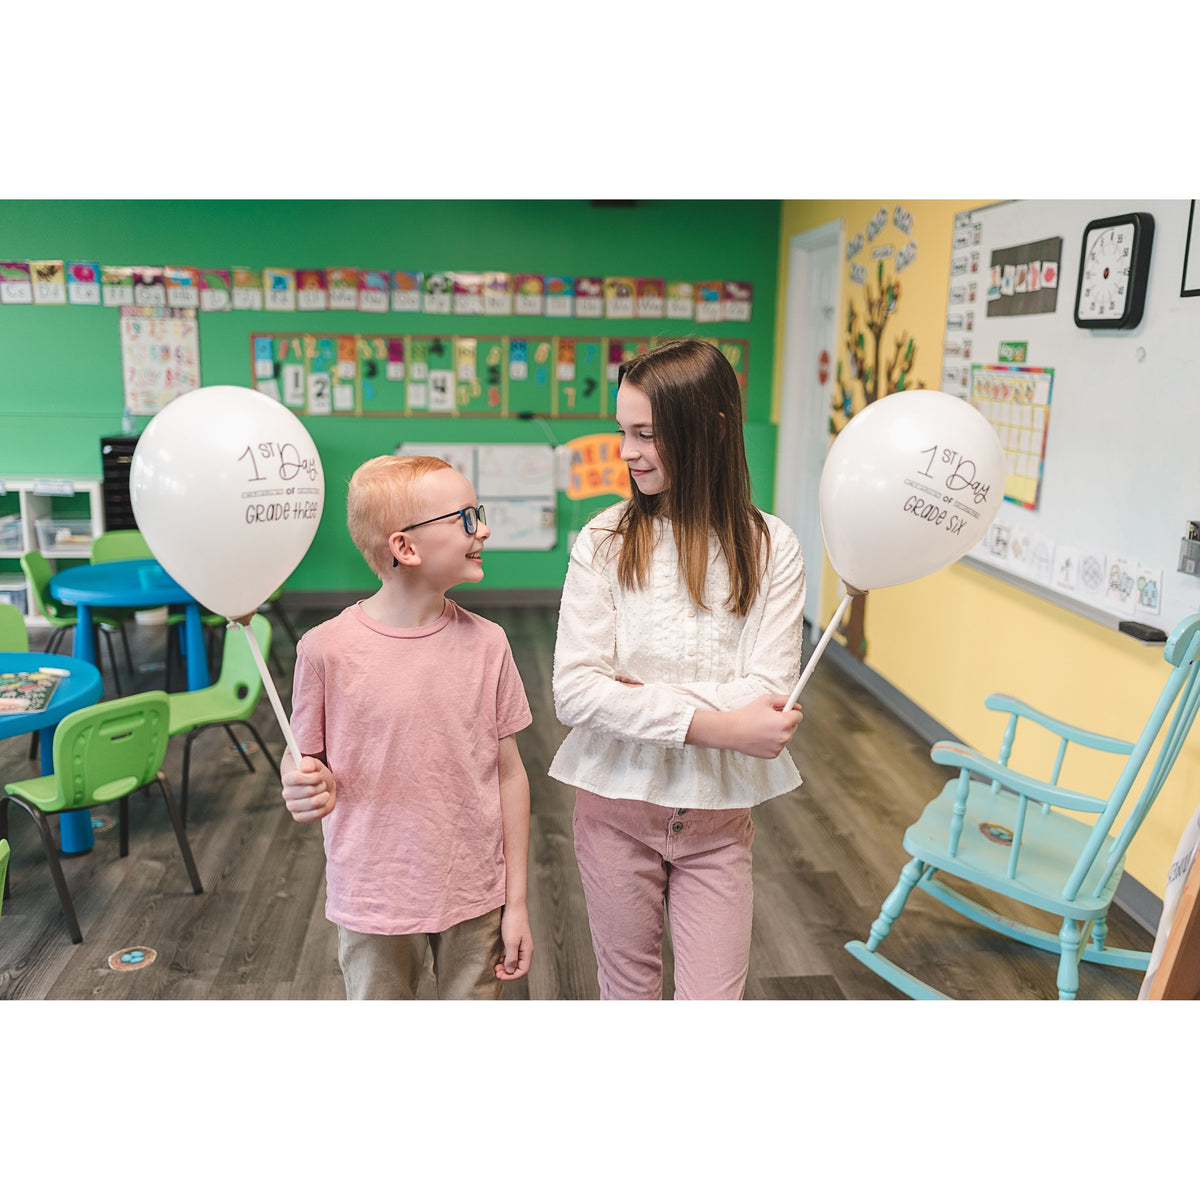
{"x": 697, "y": 412}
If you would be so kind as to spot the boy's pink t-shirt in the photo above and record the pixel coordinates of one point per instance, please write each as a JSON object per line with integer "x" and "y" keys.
{"x": 409, "y": 721}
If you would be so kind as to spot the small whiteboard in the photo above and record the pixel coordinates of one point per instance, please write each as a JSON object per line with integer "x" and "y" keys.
{"x": 160, "y": 357}
{"x": 515, "y": 482}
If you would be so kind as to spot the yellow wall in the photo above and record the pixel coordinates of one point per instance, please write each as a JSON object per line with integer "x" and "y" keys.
{"x": 949, "y": 640}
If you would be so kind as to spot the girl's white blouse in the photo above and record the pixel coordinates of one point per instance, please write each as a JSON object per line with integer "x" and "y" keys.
{"x": 629, "y": 741}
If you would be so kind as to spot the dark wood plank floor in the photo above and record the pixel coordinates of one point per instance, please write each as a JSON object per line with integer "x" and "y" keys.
{"x": 824, "y": 858}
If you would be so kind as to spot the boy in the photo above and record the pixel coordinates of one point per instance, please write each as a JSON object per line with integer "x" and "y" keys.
{"x": 406, "y": 707}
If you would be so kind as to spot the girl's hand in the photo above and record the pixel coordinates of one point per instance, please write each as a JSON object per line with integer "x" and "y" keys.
{"x": 760, "y": 729}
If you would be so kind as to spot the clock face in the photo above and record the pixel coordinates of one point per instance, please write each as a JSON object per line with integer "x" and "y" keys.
{"x": 1104, "y": 290}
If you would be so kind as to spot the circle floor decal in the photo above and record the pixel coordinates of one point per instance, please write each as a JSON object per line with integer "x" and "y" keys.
{"x": 133, "y": 958}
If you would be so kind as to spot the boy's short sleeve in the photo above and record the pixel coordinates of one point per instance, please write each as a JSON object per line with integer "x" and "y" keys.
{"x": 512, "y": 706}
{"x": 308, "y": 705}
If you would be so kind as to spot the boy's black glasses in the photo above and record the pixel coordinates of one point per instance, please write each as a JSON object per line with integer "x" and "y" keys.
{"x": 472, "y": 518}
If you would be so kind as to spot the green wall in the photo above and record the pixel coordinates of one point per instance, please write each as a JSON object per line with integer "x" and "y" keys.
{"x": 60, "y": 367}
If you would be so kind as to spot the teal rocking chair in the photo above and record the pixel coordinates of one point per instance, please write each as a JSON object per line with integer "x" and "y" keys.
{"x": 1007, "y": 833}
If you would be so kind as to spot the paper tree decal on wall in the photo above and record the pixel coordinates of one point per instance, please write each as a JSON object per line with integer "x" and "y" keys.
{"x": 865, "y": 363}
{"x": 868, "y": 368}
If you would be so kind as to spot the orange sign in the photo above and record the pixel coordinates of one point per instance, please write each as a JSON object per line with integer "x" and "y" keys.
{"x": 596, "y": 467}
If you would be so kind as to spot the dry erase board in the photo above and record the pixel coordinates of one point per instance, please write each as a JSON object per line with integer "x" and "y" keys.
{"x": 1100, "y": 427}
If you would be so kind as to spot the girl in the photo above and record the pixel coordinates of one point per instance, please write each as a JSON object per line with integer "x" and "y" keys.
{"x": 678, "y": 643}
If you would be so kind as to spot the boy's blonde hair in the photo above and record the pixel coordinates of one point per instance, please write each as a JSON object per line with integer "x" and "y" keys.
{"x": 379, "y": 502}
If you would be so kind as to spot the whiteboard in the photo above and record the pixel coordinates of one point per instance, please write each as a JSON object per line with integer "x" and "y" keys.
{"x": 1118, "y": 472}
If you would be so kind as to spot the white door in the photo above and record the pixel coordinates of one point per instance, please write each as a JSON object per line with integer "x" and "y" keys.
{"x": 810, "y": 331}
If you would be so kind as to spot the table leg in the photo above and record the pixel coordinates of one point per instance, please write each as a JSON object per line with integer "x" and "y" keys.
{"x": 197, "y": 658}
{"x": 85, "y": 635}
{"x": 74, "y": 827}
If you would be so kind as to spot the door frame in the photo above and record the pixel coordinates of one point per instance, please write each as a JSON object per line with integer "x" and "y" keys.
{"x": 803, "y": 438}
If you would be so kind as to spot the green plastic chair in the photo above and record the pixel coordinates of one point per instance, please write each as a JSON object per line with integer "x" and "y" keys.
{"x": 119, "y": 544}
{"x": 14, "y": 636}
{"x": 3, "y": 870}
{"x": 228, "y": 702}
{"x": 63, "y": 616}
{"x": 1008, "y": 834}
{"x": 102, "y": 753}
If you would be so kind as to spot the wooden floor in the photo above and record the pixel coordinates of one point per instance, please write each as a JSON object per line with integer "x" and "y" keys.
{"x": 824, "y": 858}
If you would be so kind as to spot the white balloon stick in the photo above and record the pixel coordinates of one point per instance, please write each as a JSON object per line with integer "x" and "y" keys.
{"x": 834, "y": 622}
{"x": 269, "y": 684}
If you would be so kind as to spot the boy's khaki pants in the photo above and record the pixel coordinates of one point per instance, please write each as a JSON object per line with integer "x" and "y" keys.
{"x": 381, "y": 966}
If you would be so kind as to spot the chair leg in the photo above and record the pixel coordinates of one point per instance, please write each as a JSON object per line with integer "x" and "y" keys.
{"x": 184, "y": 847}
{"x": 128, "y": 656}
{"x": 112, "y": 658}
{"x": 187, "y": 761}
{"x": 123, "y": 827}
{"x": 893, "y": 906}
{"x": 34, "y": 742}
{"x": 56, "y": 638}
{"x": 1068, "y": 962}
{"x": 60, "y": 882}
{"x": 4, "y": 802}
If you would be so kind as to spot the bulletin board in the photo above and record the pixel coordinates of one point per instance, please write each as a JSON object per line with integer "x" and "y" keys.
{"x": 413, "y": 375}
{"x": 1099, "y": 427}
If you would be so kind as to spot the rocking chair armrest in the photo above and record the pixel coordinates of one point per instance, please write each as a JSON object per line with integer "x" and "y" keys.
{"x": 1001, "y": 702}
{"x": 952, "y": 754}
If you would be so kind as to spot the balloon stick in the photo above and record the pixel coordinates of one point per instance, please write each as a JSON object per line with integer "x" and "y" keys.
{"x": 834, "y": 622}
{"x": 269, "y": 684}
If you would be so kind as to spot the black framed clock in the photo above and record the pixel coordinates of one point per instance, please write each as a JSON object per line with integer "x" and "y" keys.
{"x": 1114, "y": 264}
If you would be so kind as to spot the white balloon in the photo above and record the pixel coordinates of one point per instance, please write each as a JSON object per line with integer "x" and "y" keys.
{"x": 910, "y": 484}
{"x": 227, "y": 488}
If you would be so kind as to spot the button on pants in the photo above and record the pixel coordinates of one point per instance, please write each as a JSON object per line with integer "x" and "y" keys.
{"x": 636, "y": 858}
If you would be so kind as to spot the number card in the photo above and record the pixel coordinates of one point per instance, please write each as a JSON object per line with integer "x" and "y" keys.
{"x": 441, "y": 391}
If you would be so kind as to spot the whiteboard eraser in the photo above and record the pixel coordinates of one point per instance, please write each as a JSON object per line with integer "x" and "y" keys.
{"x": 1144, "y": 633}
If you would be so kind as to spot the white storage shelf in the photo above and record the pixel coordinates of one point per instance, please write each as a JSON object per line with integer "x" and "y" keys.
{"x": 40, "y": 523}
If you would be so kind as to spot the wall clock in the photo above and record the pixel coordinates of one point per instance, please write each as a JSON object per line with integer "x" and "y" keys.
{"x": 1114, "y": 263}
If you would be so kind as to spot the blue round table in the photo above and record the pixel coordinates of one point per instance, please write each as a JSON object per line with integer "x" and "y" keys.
{"x": 81, "y": 687}
{"x": 130, "y": 583}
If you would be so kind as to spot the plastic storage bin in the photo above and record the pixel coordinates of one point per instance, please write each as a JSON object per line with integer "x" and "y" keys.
{"x": 10, "y": 532}
{"x": 57, "y": 537}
